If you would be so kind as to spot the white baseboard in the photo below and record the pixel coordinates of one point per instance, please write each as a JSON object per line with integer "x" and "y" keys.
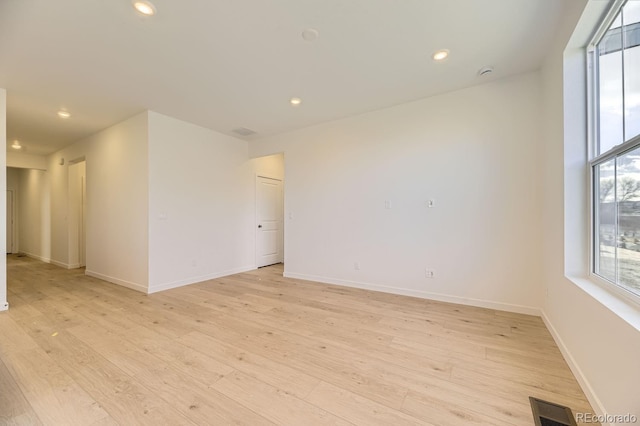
{"x": 595, "y": 402}
{"x": 520, "y": 309}
{"x": 193, "y": 280}
{"x": 133, "y": 286}
{"x": 60, "y": 264}
{"x": 37, "y": 257}
{"x": 4, "y": 306}
{"x": 52, "y": 261}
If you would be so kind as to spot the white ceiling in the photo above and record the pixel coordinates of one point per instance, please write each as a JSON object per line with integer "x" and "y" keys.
{"x": 225, "y": 64}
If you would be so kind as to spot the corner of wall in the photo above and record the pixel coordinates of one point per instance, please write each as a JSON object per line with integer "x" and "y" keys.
{"x": 143, "y": 288}
{"x": 3, "y": 197}
{"x": 586, "y": 332}
{"x": 200, "y": 199}
{"x": 574, "y": 366}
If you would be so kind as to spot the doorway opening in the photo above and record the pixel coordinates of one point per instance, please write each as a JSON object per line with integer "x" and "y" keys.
{"x": 77, "y": 215}
{"x": 11, "y": 229}
{"x": 269, "y": 223}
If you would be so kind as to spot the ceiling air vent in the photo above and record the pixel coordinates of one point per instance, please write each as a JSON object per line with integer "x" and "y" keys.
{"x": 243, "y": 131}
{"x": 550, "y": 414}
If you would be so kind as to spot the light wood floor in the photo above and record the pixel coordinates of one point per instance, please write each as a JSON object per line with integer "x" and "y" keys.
{"x": 257, "y": 348}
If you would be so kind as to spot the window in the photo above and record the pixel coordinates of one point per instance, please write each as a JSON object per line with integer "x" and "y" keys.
{"x": 615, "y": 146}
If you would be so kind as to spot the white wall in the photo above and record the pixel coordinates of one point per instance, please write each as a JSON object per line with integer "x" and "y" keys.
{"x": 13, "y": 176}
{"x": 474, "y": 151}
{"x": 271, "y": 166}
{"x": 594, "y": 329}
{"x": 201, "y": 204}
{"x": 34, "y": 214}
{"x": 3, "y": 198}
{"x": 26, "y": 161}
{"x": 117, "y": 202}
{"x": 13, "y": 185}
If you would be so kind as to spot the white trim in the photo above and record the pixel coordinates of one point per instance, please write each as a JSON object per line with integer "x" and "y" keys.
{"x": 595, "y": 402}
{"x": 618, "y": 290}
{"x": 617, "y": 151}
{"x": 500, "y": 306}
{"x": 605, "y": 23}
{"x": 13, "y": 222}
{"x": 60, "y": 264}
{"x": 36, "y": 257}
{"x": 592, "y": 104}
{"x": 624, "y": 308}
{"x": 593, "y": 217}
{"x": 256, "y": 219}
{"x": 134, "y": 286}
{"x": 193, "y": 280}
{"x": 55, "y": 262}
{"x": 4, "y": 306}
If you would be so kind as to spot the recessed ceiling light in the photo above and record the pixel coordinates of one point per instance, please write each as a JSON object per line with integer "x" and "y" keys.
{"x": 64, "y": 114}
{"x": 310, "y": 34}
{"x": 16, "y": 144}
{"x": 441, "y": 55}
{"x": 144, "y": 7}
{"x": 295, "y": 101}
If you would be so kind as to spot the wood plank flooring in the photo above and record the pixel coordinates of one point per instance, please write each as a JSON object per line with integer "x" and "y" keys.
{"x": 259, "y": 349}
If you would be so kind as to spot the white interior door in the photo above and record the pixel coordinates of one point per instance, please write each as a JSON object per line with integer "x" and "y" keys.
{"x": 9, "y": 221}
{"x": 269, "y": 218}
{"x": 82, "y": 243}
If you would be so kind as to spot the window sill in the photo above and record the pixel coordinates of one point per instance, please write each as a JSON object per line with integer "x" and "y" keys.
{"x": 621, "y": 305}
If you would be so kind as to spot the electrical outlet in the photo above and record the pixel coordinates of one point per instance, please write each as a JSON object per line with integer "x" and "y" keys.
{"x": 387, "y": 204}
{"x": 356, "y": 266}
{"x": 429, "y": 273}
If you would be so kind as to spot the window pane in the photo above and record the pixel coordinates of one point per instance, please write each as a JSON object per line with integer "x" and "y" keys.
{"x": 631, "y": 12}
{"x": 616, "y": 209}
{"x": 605, "y": 223}
{"x": 610, "y": 90}
{"x": 628, "y": 198}
{"x": 631, "y": 21}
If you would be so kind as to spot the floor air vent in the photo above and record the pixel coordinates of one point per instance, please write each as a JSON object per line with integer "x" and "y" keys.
{"x": 550, "y": 414}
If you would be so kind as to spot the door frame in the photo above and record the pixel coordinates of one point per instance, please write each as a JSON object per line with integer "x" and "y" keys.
{"x": 257, "y": 220}
{"x": 10, "y": 250}
{"x": 76, "y": 222}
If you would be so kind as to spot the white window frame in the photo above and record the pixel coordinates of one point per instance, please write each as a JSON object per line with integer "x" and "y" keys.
{"x": 592, "y": 146}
